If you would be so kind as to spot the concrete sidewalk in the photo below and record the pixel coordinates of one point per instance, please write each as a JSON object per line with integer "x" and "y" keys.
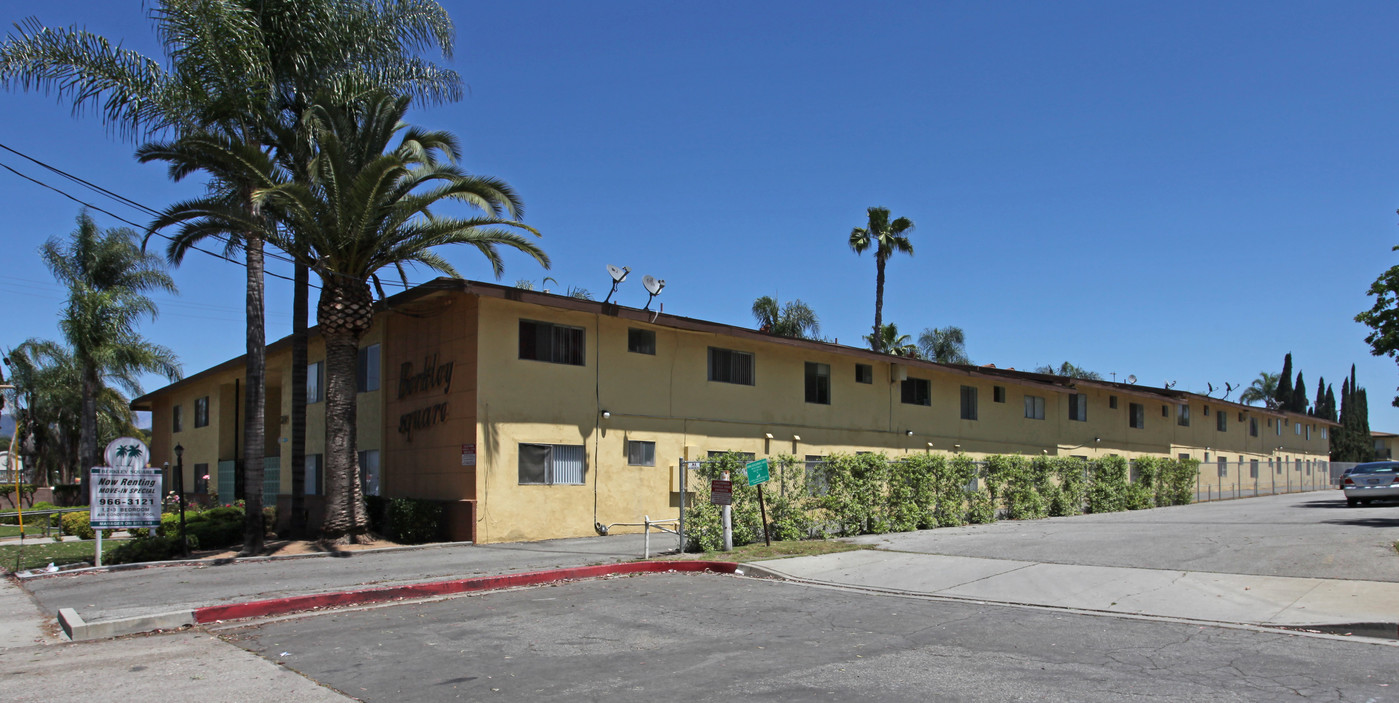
{"x": 1232, "y": 598}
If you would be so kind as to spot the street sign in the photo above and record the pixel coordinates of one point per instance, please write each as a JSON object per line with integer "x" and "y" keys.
{"x": 721, "y": 492}
{"x": 758, "y": 472}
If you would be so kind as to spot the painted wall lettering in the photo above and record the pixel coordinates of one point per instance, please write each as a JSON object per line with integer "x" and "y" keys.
{"x": 420, "y": 419}
{"x": 433, "y": 375}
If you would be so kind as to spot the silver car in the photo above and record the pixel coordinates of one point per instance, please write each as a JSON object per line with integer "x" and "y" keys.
{"x": 1377, "y": 480}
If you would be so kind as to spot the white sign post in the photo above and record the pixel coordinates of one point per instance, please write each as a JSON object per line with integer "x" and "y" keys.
{"x": 124, "y": 493}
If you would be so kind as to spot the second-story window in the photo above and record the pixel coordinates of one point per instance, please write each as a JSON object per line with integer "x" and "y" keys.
{"x": 730, "y": 366}
{"x": 1078, "y": 407}
{"x": 1034, "y": 407}
{"x": 1137, "y": 415}
{"x": 968, "y": 402}
{"x": 818, "y": 383}
{"x": 546, "y": 341}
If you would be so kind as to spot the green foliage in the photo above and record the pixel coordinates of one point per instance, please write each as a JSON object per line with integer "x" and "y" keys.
{"x": 29, "y": 520}
{"x": 147, "y": 548}
{"x": 1071, "y": 490}
{"x": 955, "y": 499}
{"x": 79, "y": 524}
{"x": 414, "y": 521}
{"x": 855, "y": 499}
{"x": 26, "y": 493}
{"x": 1142, "y": 491}
{"x": 1107, "y": 489}
{"x": 1176, "y": 481}
{"x": 68, "y": 494}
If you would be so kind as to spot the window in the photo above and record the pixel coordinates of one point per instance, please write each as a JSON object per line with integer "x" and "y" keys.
{"x": 816, "y": 483}
{"x": 1034, "y": 407}
{"x": 369, "y": 472}
{"x": 1221, "y": 422}
{"x": 1278, "y": 428}
{"x": 1253, "y": 467}
{"x": 1112, "y": 402}
{"x": 1323, "y": 433}
{"x": 556, "y": 344}
{"x": 1207, "y": 411}
{"x": 1078, "y": 407}
{"x": 315, "y": 475}
{"x": 201, "y": 478}
{"x": 1165, "y": 411}
{"x": 1253, "y": 428}
{"x": 641, "y": 341}
{"x": 1136, "y": 415}
{"x": 1183, "y": 415}
{"x": 1309, "y": 430}
{"x": 1297, "y": 429}
{"x": 916, "y": 391}
{"x": 315, "y": 382}
{"x": 177, "y": 418}
{"x": 201, "y": 412}
{"x": 729, "y": 366}
{"x": 1223, "y": 467}
{"x": 864, "y": 373}
{"x": 641, "y": 453}
{"x": 367, "y": 369}
{"x": 818, "y": 383}
{"x": 968, "y": 402}
{"x": 998, "y": 394}
{"x": 551, "y": 464}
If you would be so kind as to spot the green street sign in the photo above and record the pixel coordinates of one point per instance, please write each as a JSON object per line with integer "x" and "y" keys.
{"x": 757, "y": 472}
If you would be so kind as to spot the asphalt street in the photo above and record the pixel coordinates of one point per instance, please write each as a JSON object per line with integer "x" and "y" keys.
{"x": 709, "y": 637}
{"x": 1302, "y": 535}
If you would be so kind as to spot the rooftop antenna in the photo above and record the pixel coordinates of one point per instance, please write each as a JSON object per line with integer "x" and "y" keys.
{"x": 1211, "y": 391}
{"x": 654, "y": 287}
{"x": 1228, "y": 388}
{"x": 1132, "y": 379}
{"x": 1169, "y": 385}
{"x": 618, "y": 275}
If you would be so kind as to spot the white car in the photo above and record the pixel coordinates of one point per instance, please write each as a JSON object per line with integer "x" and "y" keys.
{"x": 1377, "y": 480}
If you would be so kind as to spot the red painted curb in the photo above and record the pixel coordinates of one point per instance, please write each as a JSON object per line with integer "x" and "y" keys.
{"x": 279, "y": 606}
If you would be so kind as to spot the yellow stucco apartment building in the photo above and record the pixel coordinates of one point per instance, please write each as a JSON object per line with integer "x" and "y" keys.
{"x": 536, "y": 415}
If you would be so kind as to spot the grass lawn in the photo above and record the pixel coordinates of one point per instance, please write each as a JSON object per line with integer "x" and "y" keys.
{"x": 37, "y": 555}
{"x": 778, "y": 550}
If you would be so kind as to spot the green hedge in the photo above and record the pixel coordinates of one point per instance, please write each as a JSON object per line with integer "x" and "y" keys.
{"x": 872, "y": 494}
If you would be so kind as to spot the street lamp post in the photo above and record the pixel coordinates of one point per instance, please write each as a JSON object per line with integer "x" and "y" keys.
{"x": 180, "y": 488}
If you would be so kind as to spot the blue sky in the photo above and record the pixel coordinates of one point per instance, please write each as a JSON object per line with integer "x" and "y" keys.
{"x": 1179, "y": 191}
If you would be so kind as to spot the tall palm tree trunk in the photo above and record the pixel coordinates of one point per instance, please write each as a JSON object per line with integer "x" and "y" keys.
{"x": 254, "y": 431}
{"x": 878, "y": 304}
{"x": 87, "y": 421}
{"x": 300, "y": 301}
{"x": 344, "y": 314}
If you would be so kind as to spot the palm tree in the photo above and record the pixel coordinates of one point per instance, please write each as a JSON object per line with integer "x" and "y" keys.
{"x": 1263, "y": 388}
{"x": 1068, "y": 370}
{"x": 892, "y": 342}
{"x": 947, "y": 345}
{"x": 107, "y": 276}
{"x": 886, "y": 238}
{"x": 795, "y": 319}
{"x": 366, "y": 208}
{"x": 246, "y": 70}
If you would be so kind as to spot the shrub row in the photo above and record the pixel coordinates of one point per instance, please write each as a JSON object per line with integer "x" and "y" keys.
{"x": 871, "y": 493}
{"x": 406, "y": 520}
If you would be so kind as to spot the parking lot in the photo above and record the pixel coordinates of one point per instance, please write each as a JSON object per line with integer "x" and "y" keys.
{"x": 710, "y": 637}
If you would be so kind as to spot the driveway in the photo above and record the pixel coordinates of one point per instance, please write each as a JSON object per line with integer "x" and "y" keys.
{"x": 1311, "y": 535}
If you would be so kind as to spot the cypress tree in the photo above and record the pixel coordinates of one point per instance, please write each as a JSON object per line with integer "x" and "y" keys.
{"x": 1319, "y": 405}
{"x": 1330, "y": 404}
{"x": 1340, "y": 435}
{"x": 1365, "y": 444}
{"x": 1283, "y": 396}
{"x": 1299, "y": 395}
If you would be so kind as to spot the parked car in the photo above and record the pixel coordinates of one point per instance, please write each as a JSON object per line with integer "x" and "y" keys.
{"x": 1376, "y": 480}
{"x": 1341, "y": 480}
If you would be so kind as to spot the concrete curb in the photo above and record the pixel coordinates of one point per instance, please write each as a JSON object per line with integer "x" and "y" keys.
{"x": 78, "y": 629}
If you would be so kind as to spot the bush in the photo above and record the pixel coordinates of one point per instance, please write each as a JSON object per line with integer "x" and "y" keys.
{"x": 1107, "y": 492}
{"x": 1176, "y": 485}
{"x": 1073, "y": 486}
{"x": 26, "y": 494}
{"x": 414, "y": 521}
{"x": 79, "y": 524}
{"x": 147, "y": 549}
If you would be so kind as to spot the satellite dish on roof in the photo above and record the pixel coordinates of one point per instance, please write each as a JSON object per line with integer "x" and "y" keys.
{"x": 654, "y": 287}
{"x": 618, "y": 275}
{"x": 1132, "y": 378}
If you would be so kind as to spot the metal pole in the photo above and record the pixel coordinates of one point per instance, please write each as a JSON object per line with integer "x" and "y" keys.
{"x": 646, "y": 549}
{"x": 681, "y": 532}
{"x": 728, "y": 522}
{"x": 180, "y": 481}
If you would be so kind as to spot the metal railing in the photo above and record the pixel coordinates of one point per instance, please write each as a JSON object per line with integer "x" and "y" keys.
{"x": 34, "y": 517}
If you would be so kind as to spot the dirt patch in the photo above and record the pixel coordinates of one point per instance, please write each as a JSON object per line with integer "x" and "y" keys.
{"x": 283, "y": 547}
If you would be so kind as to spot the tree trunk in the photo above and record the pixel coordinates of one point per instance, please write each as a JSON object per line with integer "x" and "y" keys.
{"x": 300, "y": 302}
{"x": 344, "y": 314}
{"x": 878, "y": 304}
{"x": 87, "y": 422}
{"x": 254, "y": 440}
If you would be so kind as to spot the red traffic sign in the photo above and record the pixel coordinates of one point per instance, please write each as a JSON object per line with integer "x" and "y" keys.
{"x": 721, "y": 492}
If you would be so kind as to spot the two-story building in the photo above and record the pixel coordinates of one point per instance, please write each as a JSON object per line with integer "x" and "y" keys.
{"x": 538, "y": 415}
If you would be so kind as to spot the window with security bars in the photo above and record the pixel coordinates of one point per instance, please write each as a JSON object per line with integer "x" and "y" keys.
{"x": 1223, "y": 468}
{"x": 640, "y": 453}
{"x": 551, "y": 464}
{"x": 730, "y": 366}
{"x": 556, "y": 344}
{"x": 1253, "y": 468}
{"x": 818, "y": 383}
